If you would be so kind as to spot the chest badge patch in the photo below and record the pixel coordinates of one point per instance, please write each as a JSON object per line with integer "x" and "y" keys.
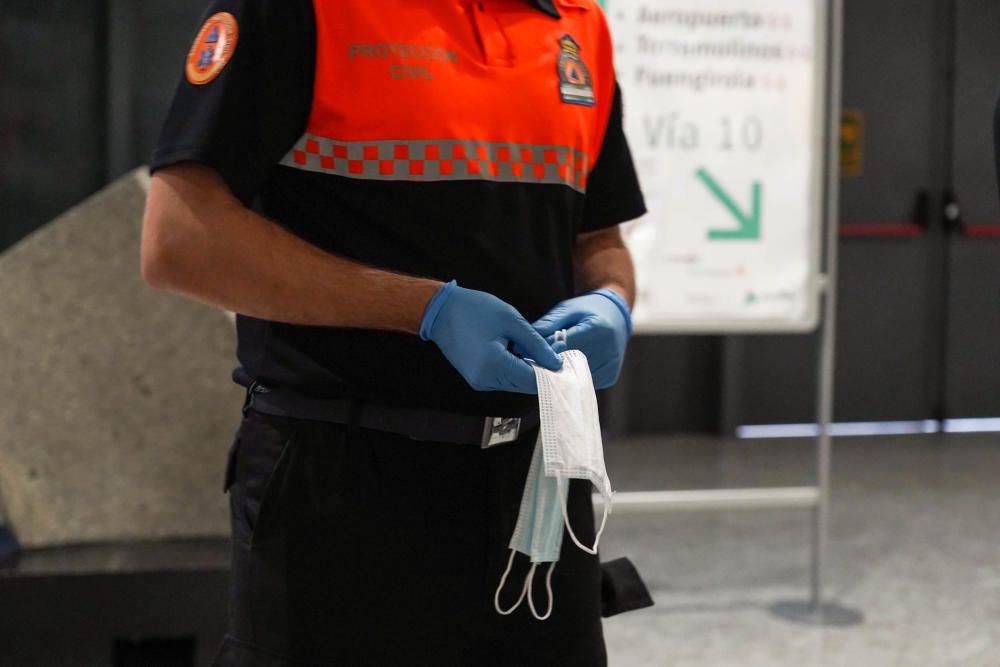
{"x": 575, "y": 84}
{"x": 212, "y": 49}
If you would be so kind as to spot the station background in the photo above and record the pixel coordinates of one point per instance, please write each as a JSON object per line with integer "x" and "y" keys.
{"x": 84, "y": 85}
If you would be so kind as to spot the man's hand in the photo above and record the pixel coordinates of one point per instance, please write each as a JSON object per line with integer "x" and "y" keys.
{"x": 473, "y": 330}
{"x": 599, "y": 325}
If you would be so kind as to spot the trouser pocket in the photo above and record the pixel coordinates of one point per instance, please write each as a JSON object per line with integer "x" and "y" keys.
{"x": 257, "y": 474}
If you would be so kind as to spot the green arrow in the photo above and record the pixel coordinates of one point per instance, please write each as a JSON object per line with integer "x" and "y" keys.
{"x": 749, "y": 224}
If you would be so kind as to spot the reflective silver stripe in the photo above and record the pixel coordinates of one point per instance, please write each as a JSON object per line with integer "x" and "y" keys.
{"x": 441, "y": 160}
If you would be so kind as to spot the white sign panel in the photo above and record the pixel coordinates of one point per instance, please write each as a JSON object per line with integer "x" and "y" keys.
{"x": 724, "y": 110}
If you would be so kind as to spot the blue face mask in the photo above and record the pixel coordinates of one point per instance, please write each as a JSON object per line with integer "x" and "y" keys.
{"x": 568, "y": 446}
{"x": 538, "y": 533}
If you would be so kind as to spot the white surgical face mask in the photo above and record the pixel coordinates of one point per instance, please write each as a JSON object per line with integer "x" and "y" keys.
{"x": 571, "y": 426}
{"x": 569, "y": 447}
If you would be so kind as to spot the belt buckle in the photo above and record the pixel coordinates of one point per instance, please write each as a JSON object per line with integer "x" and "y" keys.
{"x": 500, "y": 430}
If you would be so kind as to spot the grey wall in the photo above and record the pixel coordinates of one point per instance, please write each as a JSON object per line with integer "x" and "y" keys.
{"x": 916, "y": 314}
{"x": 56, "y": 133}
{"x": 892, "y": 58}
{"x": 166, "y": 28}
{"x": 974, "y": 329}
{"x": 977, "y": 82}
{"x": 51, "y": 109}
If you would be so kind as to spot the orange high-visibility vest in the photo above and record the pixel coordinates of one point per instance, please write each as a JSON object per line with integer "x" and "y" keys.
{"x": 435, "y": 90}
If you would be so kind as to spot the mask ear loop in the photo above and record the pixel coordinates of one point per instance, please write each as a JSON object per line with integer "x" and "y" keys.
{"x": 569, "y": 529}
{"x": 548, "y": 588}
{"x": 503, "y": 582}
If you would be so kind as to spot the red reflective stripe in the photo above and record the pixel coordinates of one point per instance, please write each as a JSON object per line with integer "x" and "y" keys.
{"x": 881, "y": 230}
{"x": 421, "y": 160}
{"x": 990, "y": 231}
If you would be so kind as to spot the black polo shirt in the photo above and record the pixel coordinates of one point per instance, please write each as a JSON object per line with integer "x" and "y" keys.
{"x": 477, "y": 199}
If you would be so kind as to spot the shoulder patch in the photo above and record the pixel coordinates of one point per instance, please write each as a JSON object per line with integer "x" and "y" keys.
{"x": 212, "y": 49}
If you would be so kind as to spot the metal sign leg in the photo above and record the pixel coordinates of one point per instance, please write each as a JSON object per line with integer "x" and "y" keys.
{"x": 817, "y": 611}
{"x": 828, "y": 341}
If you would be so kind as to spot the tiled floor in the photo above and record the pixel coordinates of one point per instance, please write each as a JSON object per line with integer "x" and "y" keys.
{"x": 915, "y": 548}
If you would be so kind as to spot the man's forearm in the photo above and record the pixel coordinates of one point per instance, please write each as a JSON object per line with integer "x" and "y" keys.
{"x": 200, "y": 241}
{"x": 603, "y": 261}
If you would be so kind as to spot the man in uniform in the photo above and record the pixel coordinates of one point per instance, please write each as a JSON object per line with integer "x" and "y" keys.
{"x": 388, "y": 193}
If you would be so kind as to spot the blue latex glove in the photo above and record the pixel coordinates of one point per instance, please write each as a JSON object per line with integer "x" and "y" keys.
{"x": 473, "y": 330}
{"x": 599, "y": 325}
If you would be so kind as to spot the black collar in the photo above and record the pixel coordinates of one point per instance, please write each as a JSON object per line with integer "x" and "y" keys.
{"x": 547, "y": 6}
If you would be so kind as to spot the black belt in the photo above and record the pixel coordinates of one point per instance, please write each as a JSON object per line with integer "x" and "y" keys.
{"x": 425, "y": 425}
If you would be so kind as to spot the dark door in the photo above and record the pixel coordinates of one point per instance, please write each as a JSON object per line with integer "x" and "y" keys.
{"x": 972, "y": 380}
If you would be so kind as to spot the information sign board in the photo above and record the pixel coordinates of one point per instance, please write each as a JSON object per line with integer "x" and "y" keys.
{"x": 725, "y": 114}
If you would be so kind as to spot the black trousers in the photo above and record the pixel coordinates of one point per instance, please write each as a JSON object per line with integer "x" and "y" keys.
{"x": 358, "y": 547}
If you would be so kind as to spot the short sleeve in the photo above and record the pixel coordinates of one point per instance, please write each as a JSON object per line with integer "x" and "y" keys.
{"x": 243, "y": 116}
{"x": 613, "y": 192}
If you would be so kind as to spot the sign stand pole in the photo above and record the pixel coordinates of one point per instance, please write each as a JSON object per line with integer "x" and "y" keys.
{"x": 817, "y": 611}
{"x": 828, "y": 345}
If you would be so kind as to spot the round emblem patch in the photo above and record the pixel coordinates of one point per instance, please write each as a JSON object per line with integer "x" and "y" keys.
{"x": 212, "y": 48}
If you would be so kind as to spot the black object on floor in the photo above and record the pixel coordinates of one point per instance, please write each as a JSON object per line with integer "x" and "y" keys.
{"x": 622, "y": 589}
{"x": 177, "y": 652}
